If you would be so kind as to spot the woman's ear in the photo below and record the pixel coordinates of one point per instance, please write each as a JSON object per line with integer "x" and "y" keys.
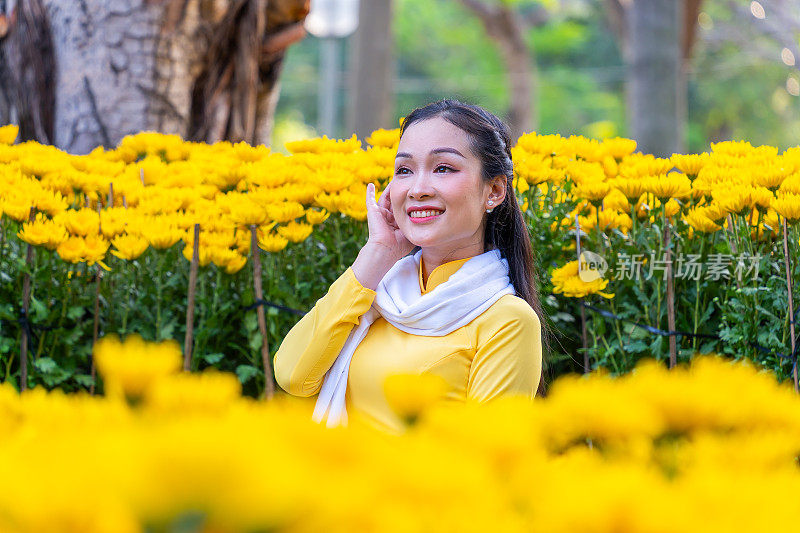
{"x": 497, "y": 193}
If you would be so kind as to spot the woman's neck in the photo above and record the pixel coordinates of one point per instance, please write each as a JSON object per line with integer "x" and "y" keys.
{"x": 431, "y": 259}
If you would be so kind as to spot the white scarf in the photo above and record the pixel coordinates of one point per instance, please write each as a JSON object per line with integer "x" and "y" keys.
{"x": 475, "y": 286}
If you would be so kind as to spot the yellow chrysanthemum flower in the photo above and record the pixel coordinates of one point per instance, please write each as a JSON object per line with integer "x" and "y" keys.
{"x": 384, "y": 138}
{"x": 81, "y": 222}
{"x": 247, "y": 213}
{"x": 43, "y": 232}
{"x": 284, "y": 212}
{"x": 697, "y": 219}
{"x": 163, "y": 237}
{"x": 296, "y": 231}
{"x": 689, "y": 164}
{"x": 672, "y": 185}
{"x": 594, "y": 191}
{"x": 567, "y": 282}
{"x": 315, "y": 217}
{"x": 271, "y": 242}
{"x": 8, "y": 134}
{"x": 129, "y": 247}
{"x": 788, "y": 206}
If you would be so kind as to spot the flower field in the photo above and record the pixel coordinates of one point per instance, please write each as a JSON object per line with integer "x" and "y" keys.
{"x": 707, "y": 446}
{"x": 696, "y": 249}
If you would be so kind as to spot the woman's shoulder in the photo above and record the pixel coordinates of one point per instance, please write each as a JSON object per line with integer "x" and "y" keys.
{"x": 509, "y": 311}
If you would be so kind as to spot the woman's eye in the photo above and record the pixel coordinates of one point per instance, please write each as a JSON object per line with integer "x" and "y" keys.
{"x": 445, "y": 167}
{"x": 401, "y": 170}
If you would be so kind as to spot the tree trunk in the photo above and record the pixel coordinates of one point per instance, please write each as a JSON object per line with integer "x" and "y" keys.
{"x": 647, "y": 37}
{"x": 505, "y": 28}
{"x": 371, "y": 69}
{"x": 656, "y": 82}
{"x": 206, "y": 70}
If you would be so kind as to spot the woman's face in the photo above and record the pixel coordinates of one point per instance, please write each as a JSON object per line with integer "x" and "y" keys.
{"x": 438, "y": 196}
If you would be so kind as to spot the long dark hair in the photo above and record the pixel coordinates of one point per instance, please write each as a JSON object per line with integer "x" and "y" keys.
{"x": 505, "y": 227}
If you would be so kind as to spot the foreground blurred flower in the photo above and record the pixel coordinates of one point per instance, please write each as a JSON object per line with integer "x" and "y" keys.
{"x": 128, "y": 368}
{"x": 410, "y": 394}
{"x": 185, "y": 393}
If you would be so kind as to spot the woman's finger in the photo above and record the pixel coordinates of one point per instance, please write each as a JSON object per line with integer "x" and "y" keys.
{"x": 388, "y": 216}
{"x": 371, "y": 204}
{"x": 385, "y": 200}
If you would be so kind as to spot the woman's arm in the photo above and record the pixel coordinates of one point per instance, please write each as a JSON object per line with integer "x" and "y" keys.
{"x": 310, "y": 348}
{"x": 312, "y": 345}
{"x": 508, "y": 358}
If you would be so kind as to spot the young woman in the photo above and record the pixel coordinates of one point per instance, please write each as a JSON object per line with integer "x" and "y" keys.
{"x": 444, "y": 285}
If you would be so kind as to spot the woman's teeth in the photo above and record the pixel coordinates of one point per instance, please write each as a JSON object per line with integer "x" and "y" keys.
{"x": 423, "y": 214}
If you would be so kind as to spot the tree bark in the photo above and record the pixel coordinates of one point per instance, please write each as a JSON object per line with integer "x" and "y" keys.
{"x": 656, "y": 82}
{"x": 203, "y": 69}
{"x": 27, "y": 94}
{"x": 371, "y": 69}
{"x": 656, "y": 38}
{"x": 504, "y": 27}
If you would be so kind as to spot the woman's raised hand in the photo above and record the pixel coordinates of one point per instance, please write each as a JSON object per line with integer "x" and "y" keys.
{"x": 383, "y": 228}
{"x": 386, "y": 243}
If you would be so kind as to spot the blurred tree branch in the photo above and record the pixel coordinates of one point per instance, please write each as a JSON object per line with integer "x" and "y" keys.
{"x": 506, "y": 26}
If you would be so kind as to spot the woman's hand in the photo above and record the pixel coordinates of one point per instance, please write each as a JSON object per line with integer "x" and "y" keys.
{"x": 386, "y": 243}
{"x": 383, "y": 228}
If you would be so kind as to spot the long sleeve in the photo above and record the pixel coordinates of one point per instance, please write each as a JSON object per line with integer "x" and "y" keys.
{"x": 509, "y": 356}
{"x": 312, "y": 345}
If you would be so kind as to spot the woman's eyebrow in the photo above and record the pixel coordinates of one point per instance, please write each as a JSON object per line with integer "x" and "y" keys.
{"x": 447, "y": 150}
{"x": 434, "y": 151}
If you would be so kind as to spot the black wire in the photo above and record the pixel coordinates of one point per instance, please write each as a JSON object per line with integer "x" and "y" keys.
{"x": 665, "y": 333}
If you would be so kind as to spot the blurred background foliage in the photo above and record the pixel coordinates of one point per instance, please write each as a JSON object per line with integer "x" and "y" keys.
{"x": 739, "y": 85}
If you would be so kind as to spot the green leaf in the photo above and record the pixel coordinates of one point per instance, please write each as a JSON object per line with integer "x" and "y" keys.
{"x": 251, "y": 322}
{"x": 245, "y": 372}
{"x": 168, "y": 329}
{"x": 255, "y": 341}
{"x": 83, "y": 380}
{"x": 38, "y": 311}
{"x": 75, "y": 312}
{"x": 5, "y": 344}
{"x": 213, "y": 358}
{"x": 46, "y": 365}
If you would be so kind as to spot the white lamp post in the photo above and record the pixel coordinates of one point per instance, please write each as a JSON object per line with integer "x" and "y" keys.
{"x": 330, "y": 20}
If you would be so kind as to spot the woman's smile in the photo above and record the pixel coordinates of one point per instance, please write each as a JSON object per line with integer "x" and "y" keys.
{"x": 424, "y": 214}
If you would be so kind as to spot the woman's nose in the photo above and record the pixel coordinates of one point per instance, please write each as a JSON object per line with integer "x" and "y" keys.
{"x": 421, "y": 186}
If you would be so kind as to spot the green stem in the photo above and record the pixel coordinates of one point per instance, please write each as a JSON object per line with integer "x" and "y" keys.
{"x": 159, "y": 292}
{"x": 613, "y": 359}
{"x": 337, "y": 244}
{"x": 215, "y": 298}
{"x": 618, "y": 331}
{"x": 697, "y": 298}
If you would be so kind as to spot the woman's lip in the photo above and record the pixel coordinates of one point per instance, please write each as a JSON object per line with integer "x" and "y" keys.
{"x": 424, "y": 219}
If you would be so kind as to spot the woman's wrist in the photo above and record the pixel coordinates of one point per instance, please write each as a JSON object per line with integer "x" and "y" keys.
{"x": 373, "y": 262}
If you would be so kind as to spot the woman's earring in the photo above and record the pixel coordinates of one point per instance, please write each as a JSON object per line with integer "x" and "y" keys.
{"x": 490, "y": 202}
